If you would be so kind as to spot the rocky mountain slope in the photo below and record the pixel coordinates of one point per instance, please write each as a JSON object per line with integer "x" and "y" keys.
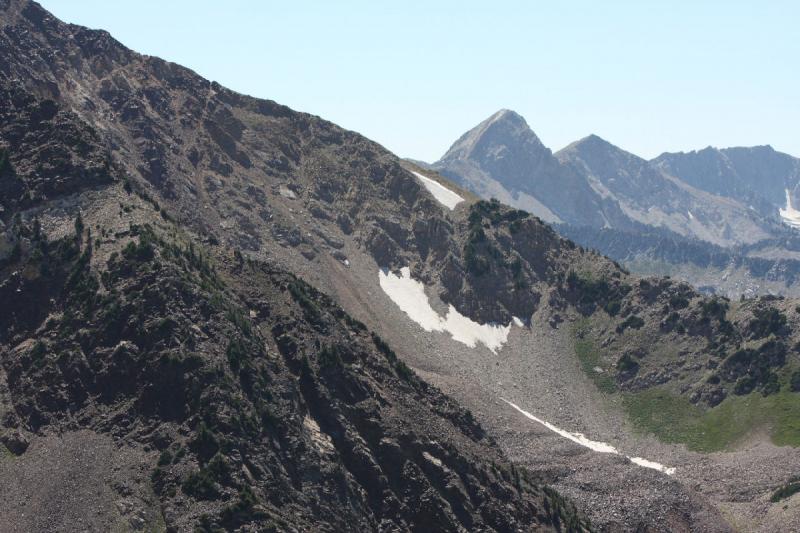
{"x": 712, "y": 196}
{"x": 229, "y": 393}
{"x": 206, "y": 390}
{"x": 757, "y": 176}
{"x": 167, "y": 246}
{"x": 649, "y": 197}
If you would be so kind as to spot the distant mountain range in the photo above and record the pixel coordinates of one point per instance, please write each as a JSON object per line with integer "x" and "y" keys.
{"x": 738, "y": 200}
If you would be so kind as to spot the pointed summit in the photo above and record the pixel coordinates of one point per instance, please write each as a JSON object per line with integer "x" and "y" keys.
{"x": 590, "y": 143}
{"x": 507, "y": 115}
{"x": 621, "y": 172}
{"x": 503, "y": 131}
{"x": 503, "y": 158}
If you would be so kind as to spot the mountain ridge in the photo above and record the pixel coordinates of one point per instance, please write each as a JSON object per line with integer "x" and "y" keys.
{"x": 213, "y": 308}
{"x": 223, "y": 391}
{"x": 594, "y": 184}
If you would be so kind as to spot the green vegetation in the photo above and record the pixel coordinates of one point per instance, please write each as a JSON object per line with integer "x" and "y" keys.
{"x": 141, "y": 252}
{"x": 303, "y": 294}
{"x": 767, "y": 321}
{"x": 633, "y": 322}
{"x": 494, "y": 211}
{"x": 786, "y": 491}
{"x": 218, "y": 468}
{"x": 592, "y": 292}
{"x": 331, "y": 356}
{"x": 201, "y": 485}
{"x": 238, "y": 318}
{"x": 479, "y": 253}
{"x": 204, "y": 483}
{"x": 476, "y": 265}
{"x": 626, "y": 363}
{"x": 402, "y": 369}
{"x": 205, "y": 443}
{"x": 714, "y": 308}
{"x": 754, "y": 368}
{"x": 678, "y": 301}
{"x": 5, "y": 161}
{"x": 563, "y": 513}
{"x": 165, "y": 458}
{"x": 236, "y": 353}
{"x": 590, "y": 358}
{"x": 674, "y": 419}
{"x": 613, "y": 307}
{"x": 243, "y": 510}
{"x": 79, "y": 226}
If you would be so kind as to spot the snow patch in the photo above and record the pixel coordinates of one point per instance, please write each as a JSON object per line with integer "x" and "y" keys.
{"x": 443, "y": 195}
{"x": 287, "y": 193}
{"x": 652, "y": 464}
{"x": 790, "y": 215}
{"x": 409, "y": 295}
{"x": 601, "y": 447}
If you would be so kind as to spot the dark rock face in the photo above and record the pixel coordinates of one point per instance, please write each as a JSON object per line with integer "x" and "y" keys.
{"x": 291, "y": 415}
{"x": 15, "y": 441}
{"x": 251, "y": 400}
{"x": 48, "y": 151}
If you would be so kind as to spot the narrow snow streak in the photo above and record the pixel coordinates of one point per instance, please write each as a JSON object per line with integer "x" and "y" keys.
{"x": 409, "y": 295}
{"x": 594, "y": 445}
{"x": 443, "y": 195}
{"x": 790, "y": 215}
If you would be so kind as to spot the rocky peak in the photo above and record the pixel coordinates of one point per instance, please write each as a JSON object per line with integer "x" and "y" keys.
{"x": 502, "y": 135}
{"x": 591, "y": 142}
{"x": 617, "y": 169}
{"x": 593, "y": 147}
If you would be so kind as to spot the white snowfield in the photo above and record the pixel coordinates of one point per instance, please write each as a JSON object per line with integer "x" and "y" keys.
{"x": 409, "y": 295}
{"x": 790, "y": 215}
{"x": 443, "y": 195}
{"x": 594, "y": 445}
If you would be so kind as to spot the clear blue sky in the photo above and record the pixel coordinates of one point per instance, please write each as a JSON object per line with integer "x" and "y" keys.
{"x": 414, "y": 75}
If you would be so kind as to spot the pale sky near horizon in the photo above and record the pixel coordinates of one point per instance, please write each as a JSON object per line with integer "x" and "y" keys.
{"x": 647, "y": 76}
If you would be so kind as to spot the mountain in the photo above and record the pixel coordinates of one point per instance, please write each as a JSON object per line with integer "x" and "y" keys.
{"x": 591, "y": 185}
{"x": 757, "y": 176}
{"x": 153, "y": 378}
{"x": 504, "y": 145}
{"x": 744, "y": 271}
{"x": 220, "y": 313}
